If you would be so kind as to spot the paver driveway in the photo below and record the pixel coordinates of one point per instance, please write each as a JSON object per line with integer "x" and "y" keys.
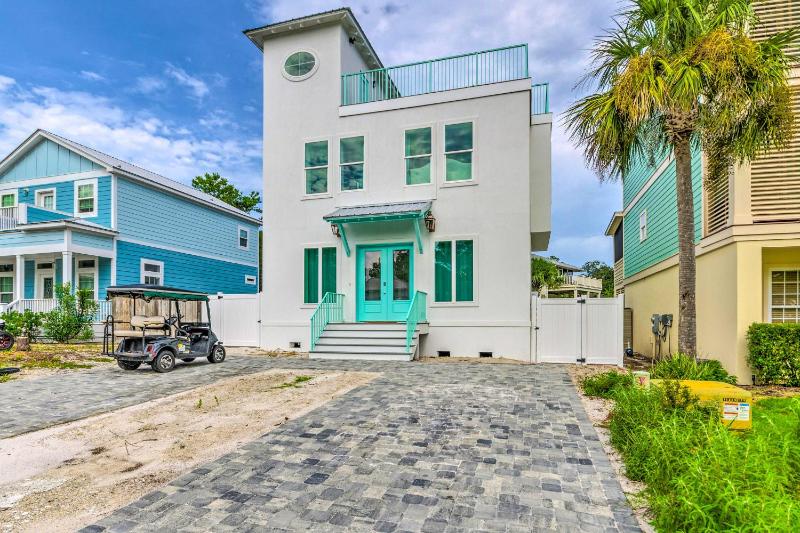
{"x": 430, "y": 447}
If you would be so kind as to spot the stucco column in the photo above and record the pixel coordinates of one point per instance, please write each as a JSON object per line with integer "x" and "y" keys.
{"x": 19, "y": 289}
{"x": 66, "y": 269}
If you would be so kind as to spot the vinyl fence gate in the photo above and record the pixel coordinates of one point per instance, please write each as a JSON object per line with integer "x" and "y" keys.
{"x": 583, "y": 330}
{"x": 236, "y": 318}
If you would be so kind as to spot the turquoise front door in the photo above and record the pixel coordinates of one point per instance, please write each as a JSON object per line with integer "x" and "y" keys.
{"x": 384, "y": 282}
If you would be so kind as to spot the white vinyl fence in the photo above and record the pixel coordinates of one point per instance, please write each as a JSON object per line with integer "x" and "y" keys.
{"x": 236, "y": 318}
{"x": 583, "y": 330}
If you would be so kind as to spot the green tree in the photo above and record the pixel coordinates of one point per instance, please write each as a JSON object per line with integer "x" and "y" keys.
{"x": 677, "y": 74}
{"x": 544, "y": 275}
{"x": 599, "y": 270}
{"x": 221, "y": 188}
{"x": 73, "y": 315}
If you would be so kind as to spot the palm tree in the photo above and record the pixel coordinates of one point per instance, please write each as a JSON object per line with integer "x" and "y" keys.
{"x": 676, "y": 75}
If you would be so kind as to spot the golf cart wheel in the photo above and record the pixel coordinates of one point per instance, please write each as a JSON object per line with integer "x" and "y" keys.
{"x": 128, "y": 365}
{"x": 6, "y": 341}
{"x": 188, "y": 359}
{"x": 164, "y": 361}
{"x": 217, "y": 354}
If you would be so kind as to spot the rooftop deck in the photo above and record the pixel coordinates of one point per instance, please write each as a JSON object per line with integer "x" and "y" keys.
{"x": 499, "y": 65}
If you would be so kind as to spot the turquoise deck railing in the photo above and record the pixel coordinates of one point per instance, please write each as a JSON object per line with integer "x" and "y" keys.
{"x": 540, "y": 98}
{"x": 330, "y": 309}
{"x": 417, "y": 312}
{"x": 444, "y": 74}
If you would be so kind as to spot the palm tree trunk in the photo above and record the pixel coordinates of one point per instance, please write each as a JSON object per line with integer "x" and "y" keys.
{"x": 687, "y": 312}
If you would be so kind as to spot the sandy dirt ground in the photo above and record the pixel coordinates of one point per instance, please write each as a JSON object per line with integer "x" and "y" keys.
{"x": 67, "y": 476}
{"x": 599, "y": 410}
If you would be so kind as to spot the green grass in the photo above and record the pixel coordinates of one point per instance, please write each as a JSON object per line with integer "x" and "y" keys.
{"x": 606, "y": 384}
{"x": 681, "y": 366}
{"x": 701, "y": 476}
{"x": 298, "y": 381}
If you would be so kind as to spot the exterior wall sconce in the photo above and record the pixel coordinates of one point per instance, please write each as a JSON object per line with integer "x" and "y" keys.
{"x": 430, "y": 222}
{"x": 335, "y": 230}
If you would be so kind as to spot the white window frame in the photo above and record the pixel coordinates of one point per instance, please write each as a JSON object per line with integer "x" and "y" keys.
{"x": 643, "y": 225}
{"x": 10, "y": 192}
{"x": 475, "y": 250}
{"x": 430, "y": 155}
{"x": 443, "y": 154}
{"x": 307, "y": 74}
{"x": 13, "y": 276}
{"x": 93, "y": 183}
{"x": 41, "y": 193}
{"x": 88, "y": 270}
{"x": 143, "y": 273}
{"x": 339, "y": 163}
{"x": 768, "y": 298}
{"x": 329, "y": 192}
{"x": 250, "y": 279}
{"x": 239, "y": 237}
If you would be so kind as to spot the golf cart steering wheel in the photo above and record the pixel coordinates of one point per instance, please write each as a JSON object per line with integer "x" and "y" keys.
{"x": 171, "y": 321}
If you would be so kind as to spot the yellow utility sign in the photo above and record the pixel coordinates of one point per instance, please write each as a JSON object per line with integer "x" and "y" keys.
{"x": 734, "y": 402}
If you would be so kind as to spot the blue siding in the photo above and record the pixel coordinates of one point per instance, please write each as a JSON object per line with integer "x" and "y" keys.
{"x": 65, "y": 198}
{"x": 30, "y": 238}
{"x": 47, "y": 159}
{"x": 147, "y": 214}
{"x": 30, "y": 278}
{"x": 103, "y": 276}
{"x": 59, "y": 271}
{"x": 184, "y": 270}
{"x": 37, "y": 214}
{"x": 92, "y": 240}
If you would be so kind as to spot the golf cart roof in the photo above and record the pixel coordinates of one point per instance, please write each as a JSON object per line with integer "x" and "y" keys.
{"x": 139, "y": 290}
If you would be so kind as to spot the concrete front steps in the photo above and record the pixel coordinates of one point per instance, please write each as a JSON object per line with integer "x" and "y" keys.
{"x": 367, "y": 341}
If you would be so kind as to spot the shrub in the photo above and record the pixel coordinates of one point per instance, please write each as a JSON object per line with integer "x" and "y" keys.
{"x": 680, "y": 366}
{"x": 25, "y": 324}
{"x": 72, "y": 317}
{"x": 773, "y": 352}
{"x": 606, "y": 384}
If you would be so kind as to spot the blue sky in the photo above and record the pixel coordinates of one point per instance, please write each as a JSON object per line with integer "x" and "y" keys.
{"x": 174, "y": 86}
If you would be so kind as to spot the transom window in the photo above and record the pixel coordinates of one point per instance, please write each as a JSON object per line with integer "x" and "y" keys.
{"x": 454, "y": 271}
{"x": 319, "y": 277}
{"x": 8, "y": 199}
{"x": 86, "y": 198}
{"x": 458, "y": 151}
{"x": 46, "y": 198}
{"x": 316, "y": 167}
{"x": 418, "y": 156}
{"x": 244, "y": 238}
{"x": 784, "y": 298}
{"x": 300, "y": 65}
{"x": 152, "y": 272}
{"x": 351, "y": 163}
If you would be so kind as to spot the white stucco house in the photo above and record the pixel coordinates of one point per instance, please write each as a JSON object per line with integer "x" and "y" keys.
{"x": 401, "y": 204}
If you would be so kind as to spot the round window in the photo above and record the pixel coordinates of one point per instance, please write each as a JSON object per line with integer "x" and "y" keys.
{"x": 300, "y": 64}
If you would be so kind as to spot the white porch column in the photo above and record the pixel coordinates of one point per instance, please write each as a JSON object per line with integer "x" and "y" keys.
{"x": 66, "y": 268}
{"x": 19, "y": 277}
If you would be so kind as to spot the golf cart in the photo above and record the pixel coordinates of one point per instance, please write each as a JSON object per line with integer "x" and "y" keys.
{"x": 158, "y": 325}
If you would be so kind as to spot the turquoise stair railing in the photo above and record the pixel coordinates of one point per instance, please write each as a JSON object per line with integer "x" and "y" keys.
{"x": 330, "y": 309}
{"x": 540, "y": 98}
{"x": 417, "y": 312}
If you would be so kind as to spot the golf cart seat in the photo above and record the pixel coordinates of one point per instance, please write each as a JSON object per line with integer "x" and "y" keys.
{"x": 149, "y": 325}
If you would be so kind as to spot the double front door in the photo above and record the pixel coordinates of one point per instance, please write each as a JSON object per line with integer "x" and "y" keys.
{"x": 385, "y": 282}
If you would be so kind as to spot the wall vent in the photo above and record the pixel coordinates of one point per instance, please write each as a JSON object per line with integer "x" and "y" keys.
{"x": 295, "y": 344}
{"x": 444, "y": 353}
{"x": 485, "y": 354}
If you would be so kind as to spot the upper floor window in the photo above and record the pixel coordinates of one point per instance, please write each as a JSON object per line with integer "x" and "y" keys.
{"x": 418, "y": 156}
{"x": 8, "y": 199}
{"x": 86, "y": 198}
{"x": 351, "y": 163}
{"x": 151, "y": 272}
{"x": 46, "y": 198}
{"x": 458, "y": 151}
{"x": 300, "y": 65}
{"x": 643, "y": 225}
{"x": 244, "y": 238}
{"x": 316, "y": 167}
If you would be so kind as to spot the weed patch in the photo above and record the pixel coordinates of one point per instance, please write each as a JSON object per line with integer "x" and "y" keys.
{"x": 681, "y": 366}
{"x": 298, "y": 381}
{"x": 606, "y": 384}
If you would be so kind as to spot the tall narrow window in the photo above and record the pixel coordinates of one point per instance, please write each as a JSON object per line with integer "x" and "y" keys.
{"x": 86, "y": 198}
{"x": 316, "y": 167}
{"x": 458, "y": 151}
{"x": 6, "y": 283}
{"x": 643, "y": 225}
{"x": 418, "y": 156}
{"x": 244, "y": 238}
{"x": 454, "y": 271}
{"x": 319, "y": 273}
{"x": 351, "y": 163}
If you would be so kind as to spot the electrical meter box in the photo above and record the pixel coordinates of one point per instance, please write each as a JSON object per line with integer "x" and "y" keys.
{"x": 734, "y": 402}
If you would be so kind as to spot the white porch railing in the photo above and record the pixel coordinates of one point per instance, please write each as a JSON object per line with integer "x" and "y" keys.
{"x": 582, "y": 282}
{"x": 44, "y": 305}
{"x": 8, "y": 218}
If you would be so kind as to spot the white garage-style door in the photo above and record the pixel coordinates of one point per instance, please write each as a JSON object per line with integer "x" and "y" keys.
{"x": 236, "y": 318}
{"x": 583, "y": 330}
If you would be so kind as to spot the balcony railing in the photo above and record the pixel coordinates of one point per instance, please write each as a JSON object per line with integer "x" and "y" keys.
{"x": 11, "y": 217}
{"x": 540, "y": 98}
{"x": 582, "y": 282}
{"x": 444, "y": 74}
{"x": 8, "y": 218}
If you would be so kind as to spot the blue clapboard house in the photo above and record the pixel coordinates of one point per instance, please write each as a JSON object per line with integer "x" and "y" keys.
{"x": 71, "y": 213}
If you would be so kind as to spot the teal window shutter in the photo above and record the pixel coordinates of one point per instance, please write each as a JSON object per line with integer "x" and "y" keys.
{"x": 328, "y": 270}
{"x": 311, "y": 276}
{"x": 443, "y": 271}
{"x": 464, "y": 271}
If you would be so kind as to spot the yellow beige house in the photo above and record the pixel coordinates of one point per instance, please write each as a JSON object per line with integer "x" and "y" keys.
{"x": 747, "y": 232}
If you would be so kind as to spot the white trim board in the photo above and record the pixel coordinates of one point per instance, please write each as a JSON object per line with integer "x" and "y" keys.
{"x": 186, "y": 251}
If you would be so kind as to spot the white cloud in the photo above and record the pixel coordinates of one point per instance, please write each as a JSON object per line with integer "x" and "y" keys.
{"x": 176, "y": 152}
{"x": 6, "y": 82}
{"x": 91, "y": 76}
{"x": 198, "y": 87}
{"x": 148, "y": 85}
